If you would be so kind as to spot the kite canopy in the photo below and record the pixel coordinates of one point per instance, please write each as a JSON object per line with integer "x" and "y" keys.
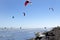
{"x": 26, "y": 2}
{"x": 51, "y": 9}
{"x": 24, "y": 13}
{"x": 13, "y": 17}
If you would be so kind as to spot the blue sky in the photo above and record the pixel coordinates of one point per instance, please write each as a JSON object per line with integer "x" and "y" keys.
{"x": 37, "y": 14}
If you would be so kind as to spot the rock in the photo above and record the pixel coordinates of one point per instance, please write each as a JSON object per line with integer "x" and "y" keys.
{"x": 54, "y": 34}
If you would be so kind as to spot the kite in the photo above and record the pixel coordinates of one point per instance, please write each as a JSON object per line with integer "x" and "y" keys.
{"x": 24, "y": 13}
{"x": 51, "y": 9}
{"x": 44, "y": 27}
{"x": 26, "y": 2}
{"x": 20, "y": 27}
{"x": 13, "y": 17}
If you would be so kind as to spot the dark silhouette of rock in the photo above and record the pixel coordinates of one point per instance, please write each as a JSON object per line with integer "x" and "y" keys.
{"x": 38, "y": 38}
{"x": 54, "y": 34}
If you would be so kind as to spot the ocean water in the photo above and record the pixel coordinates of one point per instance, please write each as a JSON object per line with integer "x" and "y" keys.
{"x": 18, "y": 34}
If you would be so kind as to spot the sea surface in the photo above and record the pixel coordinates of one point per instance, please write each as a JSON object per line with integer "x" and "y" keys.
{"x": 18, "y": 34}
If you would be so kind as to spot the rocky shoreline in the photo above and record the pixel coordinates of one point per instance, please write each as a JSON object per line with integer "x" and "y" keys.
{"x": 53, "y": 34}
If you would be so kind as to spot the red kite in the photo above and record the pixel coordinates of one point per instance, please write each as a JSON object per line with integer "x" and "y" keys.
{"x": 26, "y": 2}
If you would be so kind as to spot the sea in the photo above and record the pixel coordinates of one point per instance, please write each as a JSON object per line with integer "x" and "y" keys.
{"x": 19, "y": 34}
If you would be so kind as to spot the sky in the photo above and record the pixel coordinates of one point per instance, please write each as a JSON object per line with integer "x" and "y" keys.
{"x": 38, "y": 14}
